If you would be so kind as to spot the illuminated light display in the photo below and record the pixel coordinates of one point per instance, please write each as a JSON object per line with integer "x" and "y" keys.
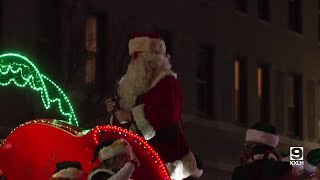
{"x": 39, "y": 144}
{"x": 134, "y": 138}
{"x": 81, "y": 145}
{"x": 19, "y": 70}
{"x": 56, "y": 123}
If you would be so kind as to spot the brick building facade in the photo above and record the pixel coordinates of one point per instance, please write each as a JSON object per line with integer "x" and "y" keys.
{"x": 238, "y": 61}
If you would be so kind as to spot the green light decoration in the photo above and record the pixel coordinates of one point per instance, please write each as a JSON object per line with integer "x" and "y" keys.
{"x": 19, "y": 70}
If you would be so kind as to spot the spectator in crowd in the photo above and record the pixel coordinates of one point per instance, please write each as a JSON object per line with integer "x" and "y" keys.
{"x": 260, "y": 160}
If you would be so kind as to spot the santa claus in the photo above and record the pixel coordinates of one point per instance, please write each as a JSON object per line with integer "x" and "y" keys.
{"x": 151, "y": 104}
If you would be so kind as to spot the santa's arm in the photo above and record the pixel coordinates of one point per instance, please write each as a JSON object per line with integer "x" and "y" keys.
{"x": 160, "y": 109}
{"x": 125, "y": 172}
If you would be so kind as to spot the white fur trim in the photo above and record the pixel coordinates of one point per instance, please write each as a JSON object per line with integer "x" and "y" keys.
{"x": 262, "y": 137}
{"x": 183, "y": 168}
{"x": 310, "y": 168}
{"x": 162, "y": 75}
{"x": 71, "y": 173}
{"x": 99, "y": 170}
{"x": 142, "y": 123}
{"x": 197, "y": 174}
{"x": 112, "y": 151}
{"x": 146, "y": 44}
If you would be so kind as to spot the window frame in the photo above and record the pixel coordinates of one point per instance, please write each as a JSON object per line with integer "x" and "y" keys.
{"x": 241, "y": 6}
{"x": 295, "y": 16}
{"x": 207, "y": 82}
{"x": 264, "y": 14}
{"x": 101, "y": 53}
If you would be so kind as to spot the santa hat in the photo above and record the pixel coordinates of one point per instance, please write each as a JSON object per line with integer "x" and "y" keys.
{"x": 264, "y": 133}
{"x": 146, "y": 42}
{"x": 68, "y": 169}
{"x": 312, "y": 161}
{"x": 110, "y": 148}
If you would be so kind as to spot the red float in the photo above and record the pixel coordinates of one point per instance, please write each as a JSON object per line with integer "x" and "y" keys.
{"x": 32, "y": 150}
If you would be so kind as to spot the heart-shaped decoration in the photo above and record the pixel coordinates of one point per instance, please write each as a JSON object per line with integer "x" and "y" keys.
{"x": 32, "y": 150}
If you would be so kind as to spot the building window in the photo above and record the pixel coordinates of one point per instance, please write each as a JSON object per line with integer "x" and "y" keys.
{"x": 295, "y": 16}
{"x": 263, "y": 76}
{"x": 319, "y": 26}
{"x": 279, "y": 99}
{"x": 240, "y": 90}
{"x": 204, "y": 81}
{"x": 295, "y": 105}
{"x": 242, "y": 5}
{"x": 91, "y": 49}
{"x": 317, "y": 106}
{"x": 311, "y": 96}
{"x": 263, "y": 9}
{"x": 1, "y": 21}
{"x": 95, "y": 49}
{"x": 48, "y": 37}
{"x": 318, "y": 20}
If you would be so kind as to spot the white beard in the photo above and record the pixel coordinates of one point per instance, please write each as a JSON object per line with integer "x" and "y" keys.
{"x": 136, "y": 82}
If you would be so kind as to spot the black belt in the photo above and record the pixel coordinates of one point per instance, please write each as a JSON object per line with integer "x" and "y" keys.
{"x": 169, "y": 132}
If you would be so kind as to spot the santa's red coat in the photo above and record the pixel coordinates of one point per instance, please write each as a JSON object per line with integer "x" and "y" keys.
{"x": 157, "y": 117}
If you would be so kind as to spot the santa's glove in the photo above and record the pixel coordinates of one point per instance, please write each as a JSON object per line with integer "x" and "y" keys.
{"x": 312, "y": 161}
{"x": 133, "y": 157}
